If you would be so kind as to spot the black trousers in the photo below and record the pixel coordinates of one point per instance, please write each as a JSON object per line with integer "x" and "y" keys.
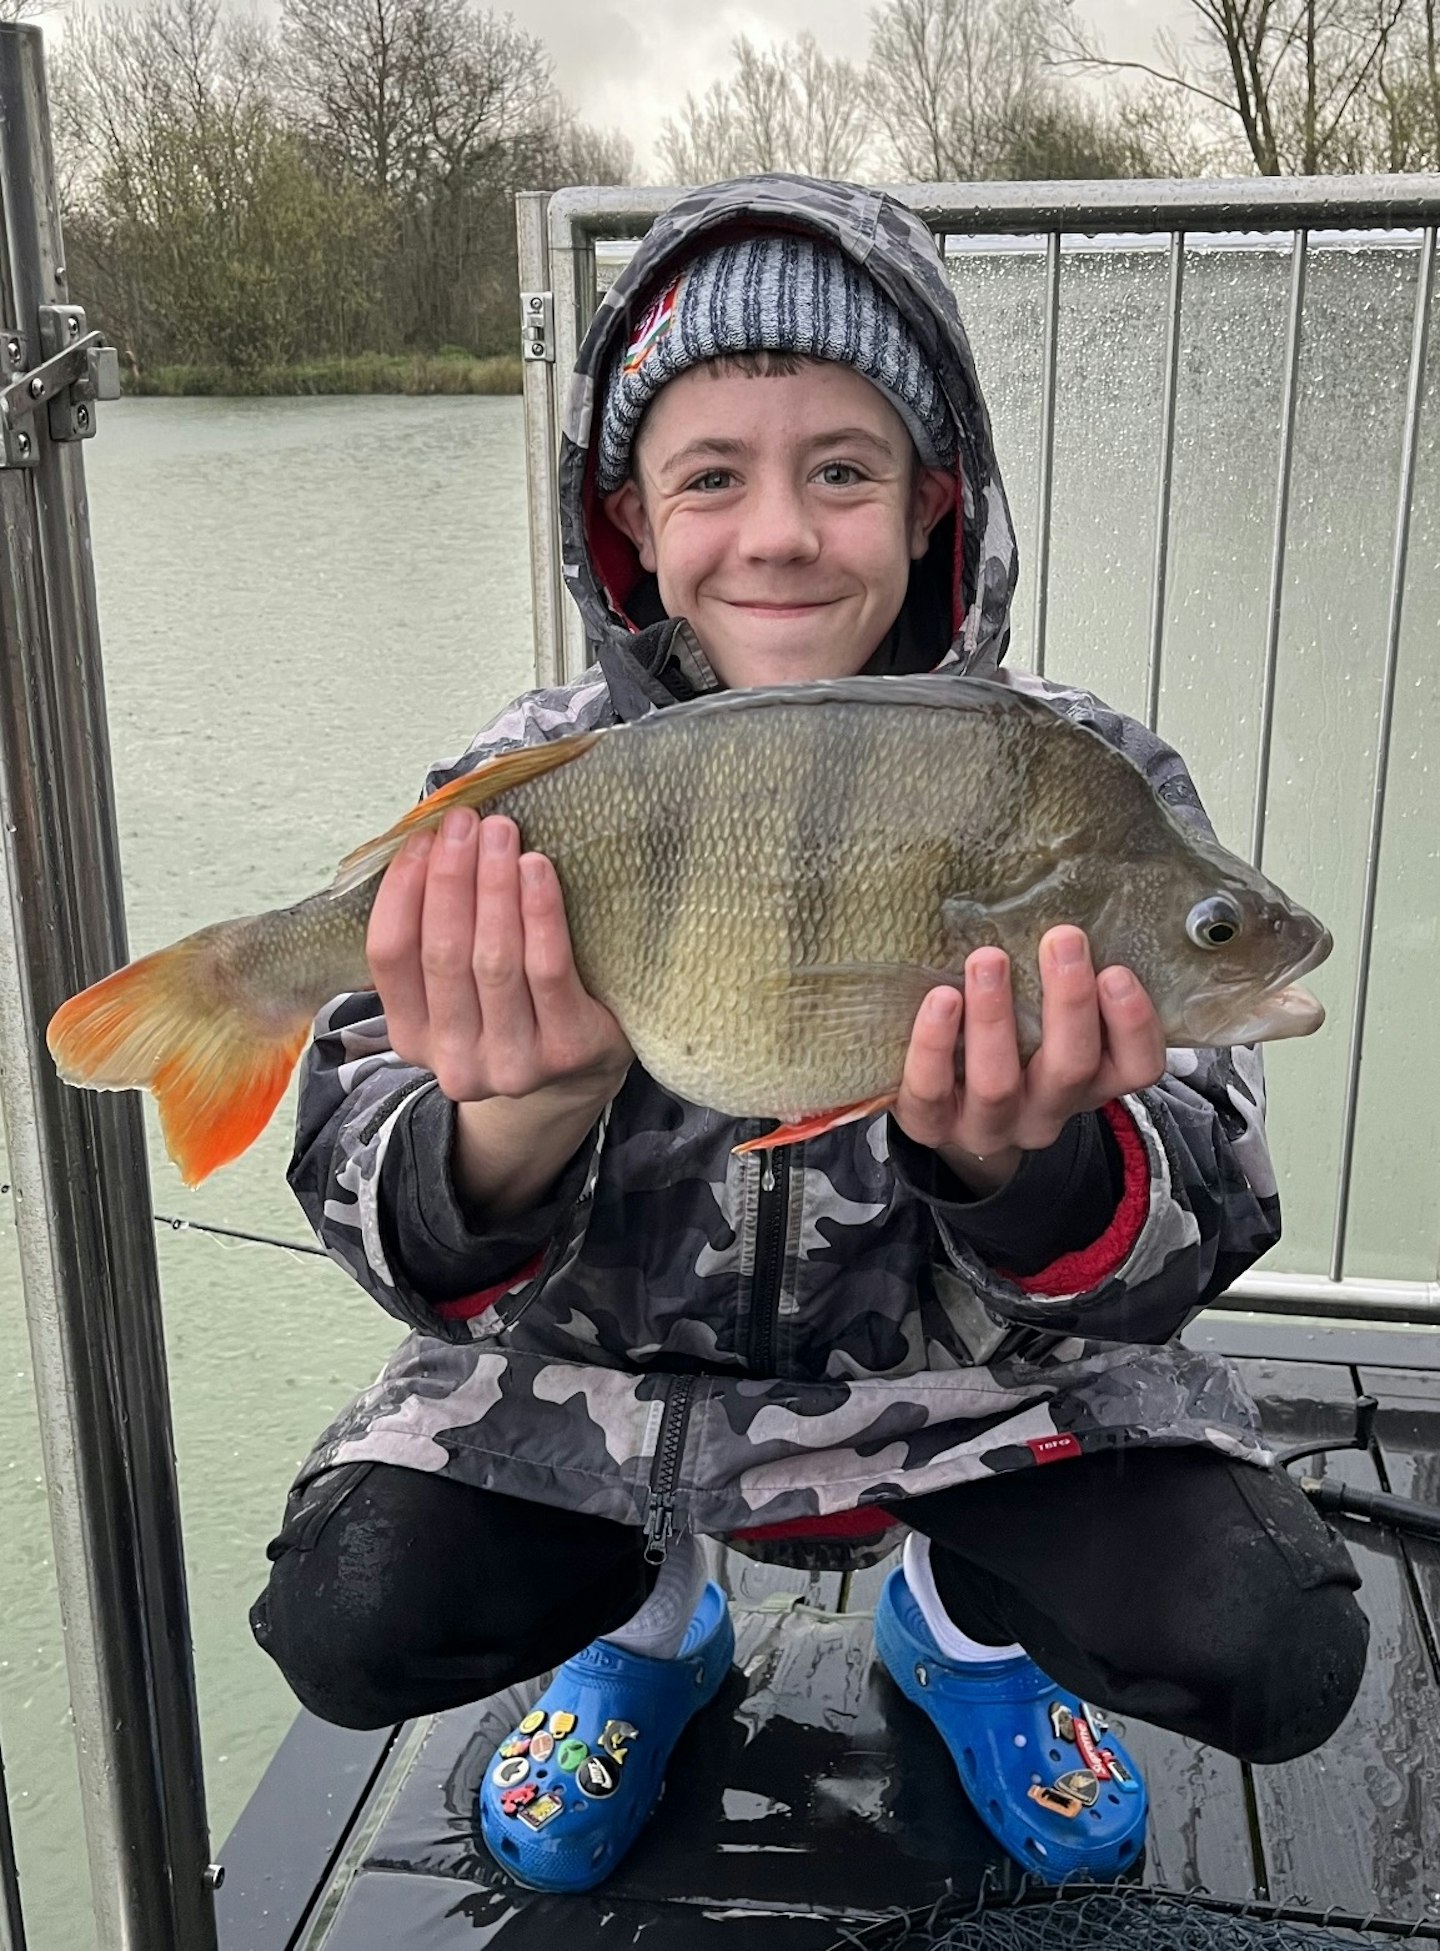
{"x": 1202, "y": 1595}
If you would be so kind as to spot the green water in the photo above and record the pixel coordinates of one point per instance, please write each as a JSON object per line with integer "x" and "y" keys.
{"x": 306, "y": 602}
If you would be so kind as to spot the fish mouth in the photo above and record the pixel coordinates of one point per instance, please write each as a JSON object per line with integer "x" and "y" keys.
{"x": 1285, "y": 1009}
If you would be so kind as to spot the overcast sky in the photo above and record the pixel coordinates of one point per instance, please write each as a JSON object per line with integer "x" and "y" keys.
{"x": 629, "y": 63}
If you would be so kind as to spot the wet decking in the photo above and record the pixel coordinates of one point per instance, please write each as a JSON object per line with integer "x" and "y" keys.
{"x": 811, "y": 1797}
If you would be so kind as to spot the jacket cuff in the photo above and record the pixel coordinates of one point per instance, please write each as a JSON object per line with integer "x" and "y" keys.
{"x": 1060, "y": 1202}
{"x": 451, "y": 1256}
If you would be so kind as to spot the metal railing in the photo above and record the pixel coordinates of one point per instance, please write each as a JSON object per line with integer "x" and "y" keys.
{"x": 558, "y": 236}
{"x": 77, "y": 1159}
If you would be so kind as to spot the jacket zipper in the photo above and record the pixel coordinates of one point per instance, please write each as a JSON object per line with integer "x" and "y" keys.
{"x": 771, "y": 1216}
{"x": 669, "y": 1451}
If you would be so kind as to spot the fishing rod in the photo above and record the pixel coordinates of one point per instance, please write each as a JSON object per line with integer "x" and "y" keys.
{"x": 1337, "y": 1499}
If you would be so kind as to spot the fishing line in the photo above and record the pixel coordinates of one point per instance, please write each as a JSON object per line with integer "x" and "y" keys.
{"x": 179, "y": 1225}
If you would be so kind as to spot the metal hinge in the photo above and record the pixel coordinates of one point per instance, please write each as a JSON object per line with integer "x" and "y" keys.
{"x": 77, "y": 369}
{"x": 537, "y": 325}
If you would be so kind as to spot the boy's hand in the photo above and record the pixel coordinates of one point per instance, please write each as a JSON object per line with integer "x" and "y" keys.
{"x": 470, "y": 952}
{"x": 1100, "y": 1037}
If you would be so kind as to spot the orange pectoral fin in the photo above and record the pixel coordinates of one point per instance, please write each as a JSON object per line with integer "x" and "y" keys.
{"x": 818, "y": 1121}
{"x": 476, "y": 788}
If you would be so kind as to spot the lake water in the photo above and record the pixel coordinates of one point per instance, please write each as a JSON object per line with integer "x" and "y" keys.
{"x": 304, "y": 603}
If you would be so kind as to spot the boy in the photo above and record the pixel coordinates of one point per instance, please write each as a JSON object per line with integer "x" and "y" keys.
{"x": 778, "y": 468}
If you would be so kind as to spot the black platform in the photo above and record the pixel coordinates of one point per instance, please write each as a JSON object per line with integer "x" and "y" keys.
{"x": 811, "y": 1799}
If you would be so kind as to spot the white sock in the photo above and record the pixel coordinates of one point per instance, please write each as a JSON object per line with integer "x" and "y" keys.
{"x": 659, "y": 1626}
{"x": 955, "y": 1645}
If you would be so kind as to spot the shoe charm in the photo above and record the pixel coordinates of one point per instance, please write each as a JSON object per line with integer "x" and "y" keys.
{"x": 532, "y": 1720}
{"x": 1119, "y": 1773}
{"x": 598, "y": 1776}
{"x": 1084, "y": 1740}
{"x": 542, "y": 1745}
{"x": 1062, "y": 1721}
{"x": 544, "y": 1809}
{"x": 614, "y": 1735}
{"x": 515, "y": 1799}
{"x": 1055, "y": 1799}
{"x": 562, "y": 1724}
{"x": 570, "y": 1756}
{"x": 510, "y": 1770}
{"x": 1080, "y": 1783}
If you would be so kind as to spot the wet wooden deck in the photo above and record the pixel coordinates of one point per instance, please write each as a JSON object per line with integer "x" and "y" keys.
{"x": 811, "y": 1797}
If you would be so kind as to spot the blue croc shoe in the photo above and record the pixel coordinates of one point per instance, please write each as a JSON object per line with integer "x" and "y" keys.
{"x": 567, "y": 1793}
{"x": 1047, "y": 1777}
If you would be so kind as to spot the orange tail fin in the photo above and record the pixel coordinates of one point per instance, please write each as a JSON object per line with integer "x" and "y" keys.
{"x": 167, "y": 1023}
{"x": 475, "y": 788}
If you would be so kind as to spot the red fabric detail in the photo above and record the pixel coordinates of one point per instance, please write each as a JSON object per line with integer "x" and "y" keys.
{"x": 1077, "y": 1273}
{"x": 957, "y": 571}
{"x": 865, "y": 1522}
{"x": 613, "y": 555}
{"x": 470, "y": 1305}
{"x": 1053, "y": 1449}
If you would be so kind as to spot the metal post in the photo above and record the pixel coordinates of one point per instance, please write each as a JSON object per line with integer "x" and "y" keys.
{"x": 1414, "y": 395}
{"x": 1046, "y": 482}
{"x": 1298, "y": 254}
{"x": 572, "y": 273}
{"x": 12, "y": 1921}
{"x": 542, "y": 446}
{"x": 82, "y": 1196}
{"x": 1159, "y": 581}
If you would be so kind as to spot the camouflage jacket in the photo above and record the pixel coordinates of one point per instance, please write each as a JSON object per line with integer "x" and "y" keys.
{"x": 680, "y": 1338}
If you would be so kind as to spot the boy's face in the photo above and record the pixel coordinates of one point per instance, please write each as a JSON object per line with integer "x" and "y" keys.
{"x": 780, "y": 516}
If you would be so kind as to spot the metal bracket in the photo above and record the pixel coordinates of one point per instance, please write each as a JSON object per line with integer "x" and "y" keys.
{"x": 77, "y": 370}
{"x": 537, "y": 325}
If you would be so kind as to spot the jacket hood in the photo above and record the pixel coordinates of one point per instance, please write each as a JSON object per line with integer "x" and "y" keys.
{"x": 960, "y": 591}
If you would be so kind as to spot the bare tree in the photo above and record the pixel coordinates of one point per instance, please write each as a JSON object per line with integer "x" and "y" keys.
{"x": 952, "y": 81}
{"x": 1302, "y": 81}
{"x": 193, "y": 223}
{"x": 789, "y": 106}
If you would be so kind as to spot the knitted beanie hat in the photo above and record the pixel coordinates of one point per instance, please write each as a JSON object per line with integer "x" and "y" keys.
{"x": 775, "y": 292}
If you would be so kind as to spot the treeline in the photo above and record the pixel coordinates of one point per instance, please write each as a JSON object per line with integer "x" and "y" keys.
{"x": 968, "y": 90}
{"x": 241, "y": 197}
{"x": 245, "y": 197}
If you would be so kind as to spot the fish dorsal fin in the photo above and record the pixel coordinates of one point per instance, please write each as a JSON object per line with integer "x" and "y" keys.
{"x": 477, "y": 788}
{"x": 941, "y": 690}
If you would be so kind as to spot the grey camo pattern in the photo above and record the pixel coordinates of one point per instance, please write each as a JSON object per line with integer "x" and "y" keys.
{"x": 899, "y": 1360}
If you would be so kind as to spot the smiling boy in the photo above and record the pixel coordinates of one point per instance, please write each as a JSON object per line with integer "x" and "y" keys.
{"x": 625, "y": 1337}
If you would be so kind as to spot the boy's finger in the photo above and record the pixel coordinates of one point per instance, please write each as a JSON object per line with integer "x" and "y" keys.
{"x": 929, "y": 1075}
{"x": 992, "y": 1052}
{"x": 1134, "y": 1038}
{"x": 507, "y": 1018}
{"x": 549, "y": 956}
{"x": 447, "y": 929}
{"x": 392, "y": 941}
{"x": 1071, "y": 1048}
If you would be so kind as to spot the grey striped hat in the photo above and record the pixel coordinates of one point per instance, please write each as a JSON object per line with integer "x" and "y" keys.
{"x": 775, "y": 292}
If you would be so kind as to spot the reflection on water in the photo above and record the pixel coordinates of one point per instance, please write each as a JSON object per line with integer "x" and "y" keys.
{"x": 306, "y": 602}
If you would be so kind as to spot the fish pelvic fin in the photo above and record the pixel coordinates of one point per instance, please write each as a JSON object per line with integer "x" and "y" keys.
{"x": 477, "y": 789}
{"x": 171, "y": 1023}
{"x": 818, "y": 1121}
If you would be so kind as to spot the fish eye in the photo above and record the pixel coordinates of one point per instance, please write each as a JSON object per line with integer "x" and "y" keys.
{"x": 1213, "y": 922}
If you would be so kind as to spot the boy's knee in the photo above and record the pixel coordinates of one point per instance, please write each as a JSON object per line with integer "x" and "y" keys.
{"x": 329, "y": 1616}
{"x": 1294, "y": 1696}
{"x": 331, "y": 1663}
